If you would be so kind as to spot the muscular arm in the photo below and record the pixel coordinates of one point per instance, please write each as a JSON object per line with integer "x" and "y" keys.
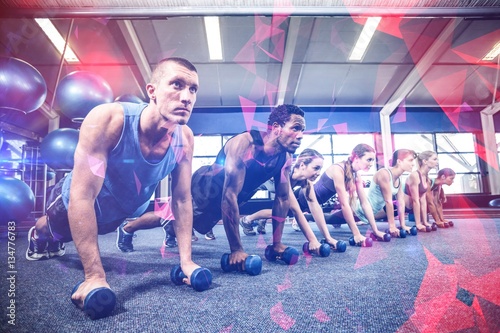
{"x": 281, "y": 203}
{"x": 182, "y": 205}
{"x": 99, "y": 133}
{"x": 235, "y": 172}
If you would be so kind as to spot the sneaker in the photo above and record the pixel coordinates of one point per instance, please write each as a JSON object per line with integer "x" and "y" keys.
{"x": 247, "y": 227}
{"x": 55, "y": 248}
{"x": 194, "y": 238}
{"x": 170, "y": 241}
{"x": 124, "y": 239}
{"x": 261, "y": 226}
{"x": 295, "y": 225}
{"x": 37, "y": 248}
{"x": 210, "y": 235}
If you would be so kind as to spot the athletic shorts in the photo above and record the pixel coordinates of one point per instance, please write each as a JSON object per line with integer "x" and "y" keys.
{"x": 57, "y": 217}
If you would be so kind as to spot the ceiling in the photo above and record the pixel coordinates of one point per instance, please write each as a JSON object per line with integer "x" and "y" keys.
{"x": 423, "y": 54}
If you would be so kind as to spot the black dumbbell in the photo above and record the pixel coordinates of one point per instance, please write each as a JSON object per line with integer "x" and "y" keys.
{"x": 253, "y": 264}
{"x": 290, "y": 256}
{"x": 402, "y": 233}
{"x": 368, "y": 242}
{"x": 99, "y": 303}
{"x": 340, "y": 247}
{"x": 386, "y": 238}
{"x": 434, "y": 227}
{"x": 201, "y": 279}
{"x": 324, "y": 249}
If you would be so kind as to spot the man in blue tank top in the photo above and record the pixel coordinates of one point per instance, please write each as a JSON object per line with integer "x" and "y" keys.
{"x": 124, "y": 150}
{"x": 245, "y": 162}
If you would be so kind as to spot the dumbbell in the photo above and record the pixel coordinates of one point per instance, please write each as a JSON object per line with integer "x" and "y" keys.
{"x": 402, "y": 233}
{"x": 368, "y": 242}
{"x": 290, "y": 256}
{"x": 413, "y": 231}
{"x": 434, "y": 227}
{"x": 324, "y": 250}
{"x": 253, "y": 264}
{"x": 99, "y": 303}
{"x": 386, "y": 238}
{"x": 340, "y": 247}
{"x": 450, "y": 223}
{"x": 201, "y": 279}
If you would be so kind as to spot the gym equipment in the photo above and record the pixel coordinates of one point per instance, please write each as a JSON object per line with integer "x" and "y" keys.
{"x": 340, "y": 247}
{"x": 368, "y": 242}
{"x": 402, "y": 233}
{"x": 434, "y": 227}
{"x": 290, "y": 256}
{"x": 22, "y": 87}
{"x": 129, "y": 98}
{"x": 253, "y": 264}
{"x": 201, "y": 279}
{"x": 386, "y": 238}
{"x": 81, "y": 91}
{"x": 99, "y": 303}
{"x": 58, "y": 148}
{"x": 16, "y": 199}
{"x": 413, "y": 231}
{"x": 324, "y": 250}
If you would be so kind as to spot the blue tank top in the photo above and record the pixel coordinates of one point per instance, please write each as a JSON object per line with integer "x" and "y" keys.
{"x": 208, "y": 181}
{"x": 130, "y": 180}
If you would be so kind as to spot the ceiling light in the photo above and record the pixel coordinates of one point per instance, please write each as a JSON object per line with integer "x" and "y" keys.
{"x": 57, "y": 40}
{"x": 493, "y": 52}
{"x": 212, "y": 28}
{"x": 364, "y": 38}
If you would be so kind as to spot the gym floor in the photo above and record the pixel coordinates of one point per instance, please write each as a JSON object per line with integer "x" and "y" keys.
{"x": 444, "y": 281}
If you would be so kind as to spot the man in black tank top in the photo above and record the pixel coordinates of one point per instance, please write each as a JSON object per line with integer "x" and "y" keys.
{"x": 245, "y": 162}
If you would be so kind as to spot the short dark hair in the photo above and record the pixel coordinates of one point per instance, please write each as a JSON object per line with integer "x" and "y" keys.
{"x": 282, "y": 113}
{"x": 158, "y": 72}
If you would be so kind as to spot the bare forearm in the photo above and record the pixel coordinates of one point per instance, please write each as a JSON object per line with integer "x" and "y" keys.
{"x": 183, "y": 226}
{"x": 83, "y": 226}
{"x": 230, "y": 217}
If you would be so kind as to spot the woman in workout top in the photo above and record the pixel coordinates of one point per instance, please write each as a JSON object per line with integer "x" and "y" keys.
{"x": 385, "y": 185}
{"x": 416, "y": 188}
{"x": 347, "y": 183}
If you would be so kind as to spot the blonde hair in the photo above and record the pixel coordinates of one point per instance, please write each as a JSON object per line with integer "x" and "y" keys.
{"x": 424, "y": 156}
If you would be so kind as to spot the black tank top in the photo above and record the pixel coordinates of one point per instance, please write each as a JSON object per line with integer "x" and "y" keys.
{"x": 208, "y": 181}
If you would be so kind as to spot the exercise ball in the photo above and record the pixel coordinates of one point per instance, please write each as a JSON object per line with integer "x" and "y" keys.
{"x": 22, "y": 87}
{"x": 129, "y": 98}
{"x": 58, "y": 148}
{"x": 16, "y": 200}
{"x": 81, "y": 91}
{"x": 495, "y": 203}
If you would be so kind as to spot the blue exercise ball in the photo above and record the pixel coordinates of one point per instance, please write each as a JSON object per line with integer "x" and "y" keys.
{"x": 58, "y": 148}
{"x": 129, "y": 98}
{"x": 22, "y": 87}
{"x": 81, "y": 91}
{"x": 16, "y": 200}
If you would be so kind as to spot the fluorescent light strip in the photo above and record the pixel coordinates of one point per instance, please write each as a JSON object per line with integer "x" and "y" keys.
{"x": 494, "y": 52}
{"x": 57, "y": 40}
{"x": 212, "y": 29}
{"x": 364, "y": 38}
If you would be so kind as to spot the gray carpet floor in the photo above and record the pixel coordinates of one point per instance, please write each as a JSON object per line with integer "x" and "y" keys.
{"x": 444, "y": 281}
